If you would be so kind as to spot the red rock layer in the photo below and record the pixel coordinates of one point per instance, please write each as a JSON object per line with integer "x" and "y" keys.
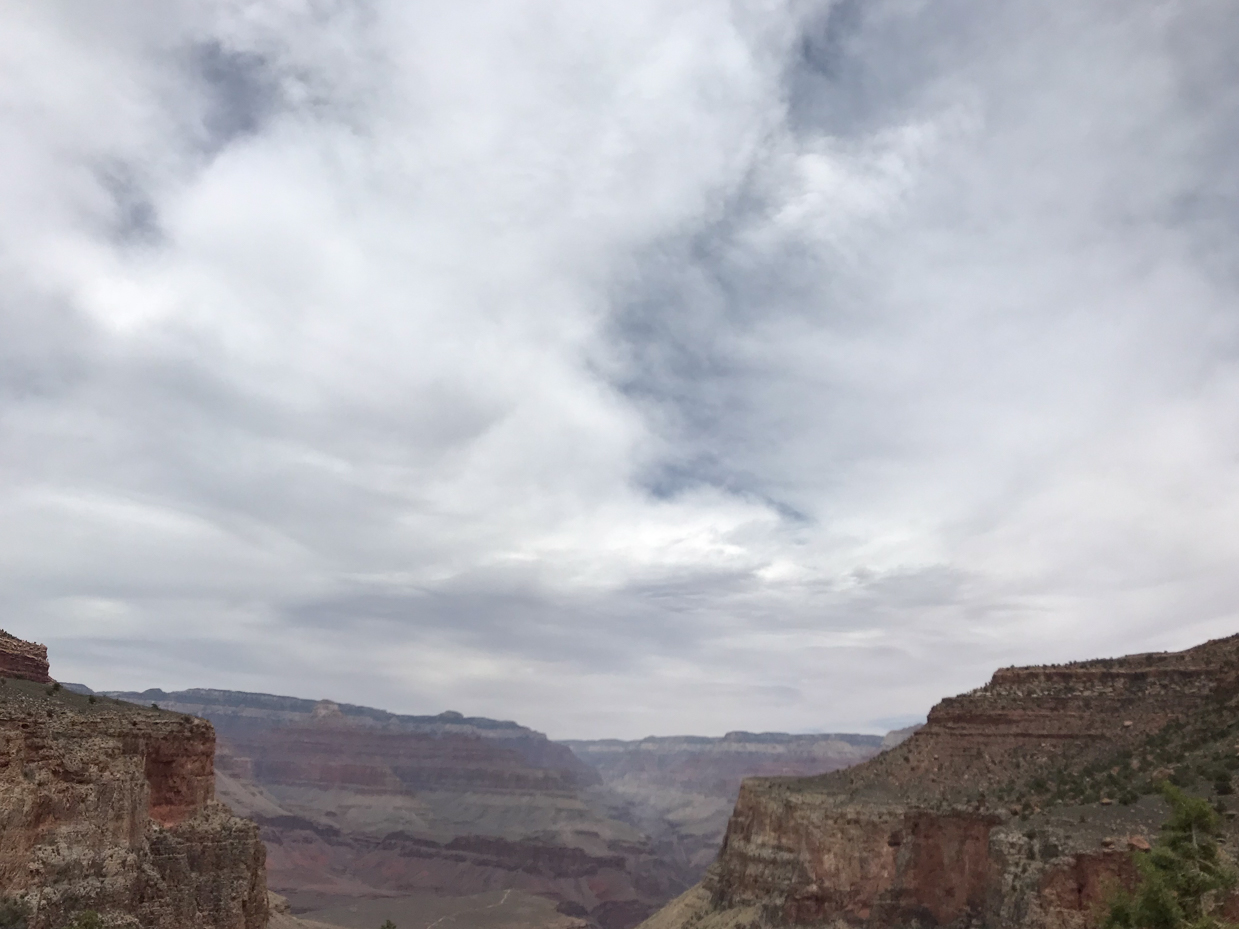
{"x": 611, "y": 886}
{"x": 909, "y": 837}
{"x": 26, "y": 661}
{"x": 109, "y": 807}
{"x": 342, "y": 755}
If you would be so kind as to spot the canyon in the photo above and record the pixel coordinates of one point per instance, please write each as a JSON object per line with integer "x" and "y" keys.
{"x": 680, "y": 790}
{"x": 108, "y": 807}
{"x": 356, "y": 803}
{"x": 1016, "y": 805}
{"x": 1021, "y": 804}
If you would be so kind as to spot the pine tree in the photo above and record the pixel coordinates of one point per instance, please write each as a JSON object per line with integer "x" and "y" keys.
{"x": 1182, "y": 877}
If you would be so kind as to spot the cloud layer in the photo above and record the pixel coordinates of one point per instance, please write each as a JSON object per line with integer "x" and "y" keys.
{"x": 621, "y": 368}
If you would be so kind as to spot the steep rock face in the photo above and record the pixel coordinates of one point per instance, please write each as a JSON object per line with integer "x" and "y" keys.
{"x": 26, "y": 661}
{"x": 680, "y": 789}
{"x": 108, "y": 807}
{"x": 994, "y": 814}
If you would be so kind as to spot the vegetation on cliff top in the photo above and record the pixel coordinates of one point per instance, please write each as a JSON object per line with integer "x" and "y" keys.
{"x": 1184, "y": 877}
{"x": 1197, "y": 754}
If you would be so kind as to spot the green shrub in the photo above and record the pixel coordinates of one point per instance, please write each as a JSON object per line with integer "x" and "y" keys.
{"x": 1180, "y": 875}
{"x": 14, "y": 913}
{"x": 87, "y": 919}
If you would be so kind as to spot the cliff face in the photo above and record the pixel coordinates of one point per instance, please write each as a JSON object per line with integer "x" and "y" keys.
{"x": 679, "y": 790}
{"x": 1012, "y": 807}
{"x": 357, "y": 802}
{"x": 108, "y": 807}
{"x": 25, "y": 661}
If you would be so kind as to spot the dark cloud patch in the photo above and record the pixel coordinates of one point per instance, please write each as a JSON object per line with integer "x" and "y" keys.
{"x": 134, "y": 219}
{"x": 239, "y": 89}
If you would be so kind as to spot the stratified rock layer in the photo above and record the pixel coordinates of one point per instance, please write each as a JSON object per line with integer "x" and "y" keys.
{"x": 25, "y": 661}
{"x": 357, "y": 802}
{"x": 919, "y": 835}
{"x": 108, "y": 807}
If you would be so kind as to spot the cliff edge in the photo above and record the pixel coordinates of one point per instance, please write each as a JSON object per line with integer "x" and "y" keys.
{"x": 110, "y": 807}
{"x": 25, "y": 661}
{"x": 1016, "y": 804}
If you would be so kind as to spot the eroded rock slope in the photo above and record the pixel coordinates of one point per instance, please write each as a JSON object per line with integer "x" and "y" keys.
{"x": 1015, "y": 805}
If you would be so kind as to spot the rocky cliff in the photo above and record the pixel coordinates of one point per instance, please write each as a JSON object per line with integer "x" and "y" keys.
{"x": 679, "y": 790}
{"x": 110, "y": 807}
{"x": 24, "y": 661}
{"x": 356, "y": 802}
{"x": 1014, "y": 806}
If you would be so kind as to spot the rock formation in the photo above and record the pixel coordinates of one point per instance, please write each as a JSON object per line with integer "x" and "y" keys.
{"x": 109, "y": 807}
{"x": 25, "y": 661}
{"x": 680, "y": 790}
{"x": 357, "y": 802}
{"x": 1014, "y": 806}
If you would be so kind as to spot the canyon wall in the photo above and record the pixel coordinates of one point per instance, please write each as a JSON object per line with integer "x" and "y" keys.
{"x": 355, "y": 802}
{"x": 109, "y": 807}
{"x": 680, "y": 790}
{"x": 1014, "y": 806}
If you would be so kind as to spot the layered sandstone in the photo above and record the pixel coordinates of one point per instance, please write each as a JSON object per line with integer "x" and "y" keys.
{"x": 357, "y": 802}
{"x": 26, "y": 661}
{"x": 108, "y": 807}
{"x": 1000, "y": 812}
{"x": 501, "y": 747}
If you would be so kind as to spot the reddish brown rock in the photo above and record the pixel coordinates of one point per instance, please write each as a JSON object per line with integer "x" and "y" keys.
{"x": 353, "y": 802}
{"x": 910, "y": 838}
{"x": 109, "y": 807}
{"x": 25, "y": 661}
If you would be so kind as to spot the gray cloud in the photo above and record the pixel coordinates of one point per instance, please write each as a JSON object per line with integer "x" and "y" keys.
{"x": 616, "y": 368}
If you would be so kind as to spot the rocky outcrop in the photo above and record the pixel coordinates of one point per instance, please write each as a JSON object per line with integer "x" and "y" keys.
{"x": 1012, "y": 807}
{"x": 679, "y": 790}
{"x": 24, "y": 661}
{"x": 109, "y": 807}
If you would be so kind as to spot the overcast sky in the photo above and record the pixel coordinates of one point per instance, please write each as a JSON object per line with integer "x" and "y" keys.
{"x": 620, "y": 367}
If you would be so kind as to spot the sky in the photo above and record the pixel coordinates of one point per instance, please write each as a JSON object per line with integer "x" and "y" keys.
{"x": 622, "y": 368}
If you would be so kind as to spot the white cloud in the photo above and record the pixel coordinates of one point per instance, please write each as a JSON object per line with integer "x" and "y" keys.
{"x": 622, "y": 368}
